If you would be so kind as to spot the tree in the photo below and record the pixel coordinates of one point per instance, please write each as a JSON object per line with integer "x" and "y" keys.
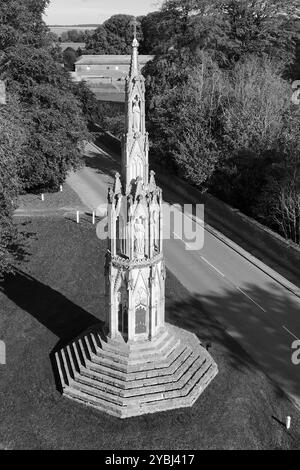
{"x": 260, "y": 27}
{"x": 111, "y": 117}
{"x": 113, "y": 37}
{"x": 70, "y": 57}
{"x": 257, "y": 102}
{"x": 231, "y": 29}
{"x": 74, "y": 35}
{"x": 200, "y": 107}
{"x": 294, "y": 72}
{"x": 21, "y": 22}
{"x": 159, "y": 31}
{"x": 64, "y": 36}
{"x": 278, "y": 205}
{"x": 12, "y": 137}
{"x": 184, "y": 121}
{"x": 218, "y": 102}
{"x": 97, "y": 42}
{"x": 57, "y": 126}
{"x": 90, "y": 107}
{"x": 55, "y": 119}
{"x": 42, "y": 127}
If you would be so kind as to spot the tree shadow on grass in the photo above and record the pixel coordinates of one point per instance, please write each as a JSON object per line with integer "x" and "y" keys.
{"x": 20, "y": 247}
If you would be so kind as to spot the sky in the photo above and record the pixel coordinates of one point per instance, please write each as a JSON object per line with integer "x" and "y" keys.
{"x": 66, "y": 12}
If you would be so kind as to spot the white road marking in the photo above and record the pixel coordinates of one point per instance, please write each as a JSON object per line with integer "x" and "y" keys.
{"x": 212, "y": 266}
{"x": 223, "y": 275}
{"x": 237, "y": 287}
{"x": 250, "y": 298}
{"x": 202, "y": 257}
{"x": 292, "y": 334}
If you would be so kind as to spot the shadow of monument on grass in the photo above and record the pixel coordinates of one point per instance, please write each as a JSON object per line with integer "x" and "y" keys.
{"x": 52, "y": 309}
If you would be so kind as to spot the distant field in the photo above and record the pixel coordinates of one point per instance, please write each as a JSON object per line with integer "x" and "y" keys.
{"x": 62, "y": 29}
{"x": 74, "y": 45}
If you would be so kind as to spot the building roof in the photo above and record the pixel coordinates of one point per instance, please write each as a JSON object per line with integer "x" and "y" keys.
{"x": 111, "y": 59}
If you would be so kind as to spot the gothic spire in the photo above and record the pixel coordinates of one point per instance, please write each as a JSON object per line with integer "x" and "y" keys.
{"x": 135, "y": 145}
{"x": 134, "y": 66}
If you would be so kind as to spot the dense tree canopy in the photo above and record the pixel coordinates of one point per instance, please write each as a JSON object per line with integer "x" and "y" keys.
{"x": 69, "y": 57}
{"x": 12, "y": 138}
{"x": 42, "y": 126}
{"x": 231, "y": 29}
{"x": 21, "y": 22}
{"x": 113, "y": 37}
{"x": 73, "y": 35}
{"x": 53, "y": 114}
{"x": 219, "y": 102}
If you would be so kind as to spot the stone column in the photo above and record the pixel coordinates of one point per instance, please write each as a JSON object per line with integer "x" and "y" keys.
{"x": 131, "y": 309}
{"x": 152, "y": 303}
{"x": 113, "y": 231}
{"x": 147, "y": 241}
{"x": 162, "y": 294}
{"x": 151, "y": 236}
{"x": 160, "y": 228}
{"x": 113, "y": 326}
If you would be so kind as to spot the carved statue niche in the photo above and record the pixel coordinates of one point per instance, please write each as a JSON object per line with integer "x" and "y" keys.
{"x": 139, "y": 238}
{"x": 136, "y": 115}
{"x": 122, "y": 303}
{"x": 155, "y": 222}
{"x": 141, "y": 311}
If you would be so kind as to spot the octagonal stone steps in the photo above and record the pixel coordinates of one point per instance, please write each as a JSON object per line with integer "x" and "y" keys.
{"x": 79, "y": 353}
{"x": 136, "y": 353}
{"x": 149, "y": 403}
{"x": 153, "y": 387}
{"x": 133, "y": 360}
{"x": 74, "y": 363}
{"x": 129, "y": 381}
{"x": 170, "y": 372}
{"x": 138, "y": 387}
{"x": 124, "y": 348}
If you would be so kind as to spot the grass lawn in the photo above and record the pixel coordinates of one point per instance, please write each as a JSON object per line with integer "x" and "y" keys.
{"x": 54, "y": 202}
{"x": 57, "y": 292}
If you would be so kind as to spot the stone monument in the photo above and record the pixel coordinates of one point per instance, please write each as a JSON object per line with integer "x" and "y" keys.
{"x": 138, "y": 363}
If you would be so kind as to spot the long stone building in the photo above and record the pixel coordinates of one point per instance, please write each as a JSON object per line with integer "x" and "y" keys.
{"x": 106, "y": 74}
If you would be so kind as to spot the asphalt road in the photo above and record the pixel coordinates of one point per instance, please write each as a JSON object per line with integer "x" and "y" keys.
{"x": 261, "y": 314}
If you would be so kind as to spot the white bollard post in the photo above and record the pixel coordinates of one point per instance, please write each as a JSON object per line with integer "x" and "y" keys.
{"x": 43, "y": 197}
{"x": 94, "y": 217}
{"x": 77, "y": 217}
{"x": 60, "y": 188}
{"x": 288, "y": 422}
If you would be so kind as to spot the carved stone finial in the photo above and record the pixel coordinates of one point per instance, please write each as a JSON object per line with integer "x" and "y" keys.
{"x": 134, "y": 23}
{"x": 139, "y": 186}
{"x": 152, "y": 183}
{"x": 117, "y": 185}
{"x": 134, "y": 69}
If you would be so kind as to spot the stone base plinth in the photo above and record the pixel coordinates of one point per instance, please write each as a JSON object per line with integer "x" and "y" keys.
{"x": 124, "y": 380}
